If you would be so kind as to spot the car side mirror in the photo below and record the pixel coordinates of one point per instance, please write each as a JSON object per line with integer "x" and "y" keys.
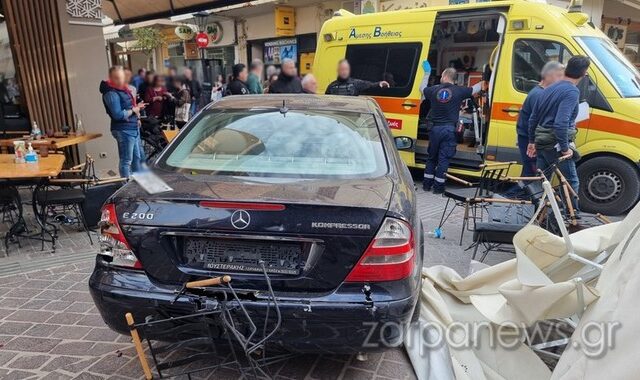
{"x": 403, "y": 142}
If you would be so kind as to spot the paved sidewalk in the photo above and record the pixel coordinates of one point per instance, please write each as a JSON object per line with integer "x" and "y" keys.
{"x": 50, "y": 329}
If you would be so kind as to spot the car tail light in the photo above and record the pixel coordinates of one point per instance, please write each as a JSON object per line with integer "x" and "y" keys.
{"x": 113, "y": 244}
{"x": 389, "y": 257}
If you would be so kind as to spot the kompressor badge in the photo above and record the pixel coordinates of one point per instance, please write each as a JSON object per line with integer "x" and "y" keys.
{"x": 340, "y": 226}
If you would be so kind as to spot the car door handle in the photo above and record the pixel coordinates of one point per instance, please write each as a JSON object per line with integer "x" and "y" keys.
{"x": 409, "y": 105}
{"x": 511, "y": 110}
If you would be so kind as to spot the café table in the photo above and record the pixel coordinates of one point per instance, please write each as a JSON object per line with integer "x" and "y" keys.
{"x": 56, "y": 143}
{"x": 35, "y": 174}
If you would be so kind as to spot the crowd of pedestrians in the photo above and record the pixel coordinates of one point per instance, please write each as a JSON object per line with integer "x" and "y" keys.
{"x": 149, "y": 98}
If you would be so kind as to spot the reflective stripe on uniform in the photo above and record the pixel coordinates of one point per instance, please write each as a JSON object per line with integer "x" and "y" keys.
{"x": 429, "y": 176}
{"x": 440, "y": 180}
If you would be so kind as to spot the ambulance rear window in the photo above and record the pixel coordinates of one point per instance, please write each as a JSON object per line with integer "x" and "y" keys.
{"x": 395, "y": 63}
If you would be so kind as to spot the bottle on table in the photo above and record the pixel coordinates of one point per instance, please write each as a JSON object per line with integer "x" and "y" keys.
{"x": 36, "y": 133}
{"x": 80, "y": 131}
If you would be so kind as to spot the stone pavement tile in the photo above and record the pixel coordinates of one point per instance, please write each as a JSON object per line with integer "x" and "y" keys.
{"x": 4, "y": 291}
{"x": 327, "y": 369}
{"x": 70, "y": 332}
{"x": 58, "y": 305}
{"x": 102, "y": 334}
{"x": 79, "y": 307}
{"x": 298, "y": 367}
{"x": 73, "y": 348}
{"x": 132, "y": 369}
{"x": 35, "y": 304}
{"x": 33, "y": 344}
{"x": 61, "y": 285}
{"x": 23, "y": 293}
{"x": 78, "y": 366}
{"x": 78, "y": 296}
{"x": 5, "y": 312}
{"x": 19, "y": 375}
{"x": 42, "y": 330}
{"x": 38, "y": 274}
{"x": 29, "y": 316}
{"x": 53, "y": 295}
{"x": 109, "y": 364}
{"x": 74, "y": 277}
{"x": 28, "y": 361}
{"x": 5, "y": 356}
{"x": 56, "y": 376}
{"x": 396, "y": 355}
{"x": 91, "y": 320}
{"x": 36, "y": 284}
{"x": 371, "y": 364}
{"x": 65, "y": 318}
{"x": 101, "y": 348}
{"x": 395, "y": 370}
{"x": 80, "y": 286}
{"x": 357, "y": 374}
{"x": 13, "y": 303}
{"x": 15, "y": 279}
{"x": 88, "y": 376}
{"x": 60, "y": 362}
{"x": 14, "y": 328}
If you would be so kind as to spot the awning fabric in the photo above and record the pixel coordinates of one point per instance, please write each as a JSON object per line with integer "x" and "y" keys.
{"x": 129, "y": 11}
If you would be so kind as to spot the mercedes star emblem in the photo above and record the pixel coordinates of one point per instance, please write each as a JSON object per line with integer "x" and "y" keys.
{"x": 240, "y": 219}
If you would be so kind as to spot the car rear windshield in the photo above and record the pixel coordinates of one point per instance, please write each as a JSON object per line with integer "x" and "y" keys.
{"x": 271, "y": 143}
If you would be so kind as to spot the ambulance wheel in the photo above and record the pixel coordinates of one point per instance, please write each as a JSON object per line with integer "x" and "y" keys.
{"x": 608, "y": 185}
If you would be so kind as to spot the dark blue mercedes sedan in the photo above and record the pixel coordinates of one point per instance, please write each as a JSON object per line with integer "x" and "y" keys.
{"x": 302, "y": 196}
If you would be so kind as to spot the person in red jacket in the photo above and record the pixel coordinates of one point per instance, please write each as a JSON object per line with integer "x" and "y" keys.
{"x": 157, "y": 96}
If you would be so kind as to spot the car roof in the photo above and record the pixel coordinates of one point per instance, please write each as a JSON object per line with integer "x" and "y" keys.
{"x": 361, "y": 104}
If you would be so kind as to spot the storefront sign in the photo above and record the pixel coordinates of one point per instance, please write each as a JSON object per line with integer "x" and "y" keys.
{"x": 214, "y": 31}
{"x": 617, "y": 34}
{"x": 202, "y": 39}
{"x": 191, "y": 50}
{"x": 285, "y": 21}
{"x": 306, "y": 63}
{"x": 185, "y": 32}
{"x": 277, "y": 50}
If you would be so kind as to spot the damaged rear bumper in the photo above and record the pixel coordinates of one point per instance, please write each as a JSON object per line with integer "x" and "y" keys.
{"x": 315, "y": 324}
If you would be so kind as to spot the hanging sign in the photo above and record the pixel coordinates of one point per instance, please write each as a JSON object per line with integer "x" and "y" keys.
{"x": 202, "y": 39}
{"x": 185, "y": 32}
{"x": 214, "y": 31}
{"x": 285, "y": 21}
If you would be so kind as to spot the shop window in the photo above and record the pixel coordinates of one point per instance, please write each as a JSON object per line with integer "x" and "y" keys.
{"x": 395, "y": 63}
{"x": 529, "y": 56}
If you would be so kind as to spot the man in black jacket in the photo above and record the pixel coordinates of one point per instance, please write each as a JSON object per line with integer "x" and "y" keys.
{"x": 347, "y": 86}
{"x": 288, "y": 81}
{"x": 195, "y": 89}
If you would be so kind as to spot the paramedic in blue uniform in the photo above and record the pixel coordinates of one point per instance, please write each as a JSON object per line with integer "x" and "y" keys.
{"x": 444, "y": 102}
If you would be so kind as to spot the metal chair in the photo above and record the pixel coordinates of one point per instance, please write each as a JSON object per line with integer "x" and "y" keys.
{"x": 66, "y": 193}
{"x": 474, "y": 194}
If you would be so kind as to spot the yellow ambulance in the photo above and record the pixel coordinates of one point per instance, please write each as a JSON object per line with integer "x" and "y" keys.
{"x": 502, "y": 45}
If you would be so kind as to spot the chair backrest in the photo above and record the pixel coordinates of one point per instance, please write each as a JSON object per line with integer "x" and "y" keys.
{"x": 492, "y": 179}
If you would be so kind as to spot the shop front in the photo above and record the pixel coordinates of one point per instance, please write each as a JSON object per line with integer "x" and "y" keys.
{"x": 301, "y": 49}
{"x": 621, "y": 22}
